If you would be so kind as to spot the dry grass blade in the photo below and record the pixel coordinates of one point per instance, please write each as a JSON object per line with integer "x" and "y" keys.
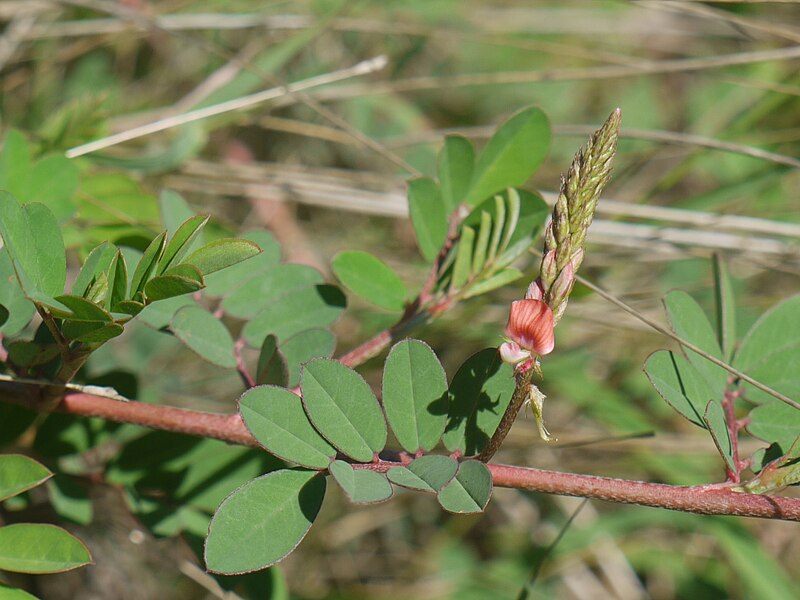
{"x": 688, "y": 139}
{"x": 149, "y": 23}
{"x": 375, "y": 194}
{"x": 434, "y": 136}
{"x": 683, "y": 65}
{"x": 746, "y": 24}
{"x": 13, "y": 36}
{"x": 362, "y": 68}
{"x": 525, "y": 592}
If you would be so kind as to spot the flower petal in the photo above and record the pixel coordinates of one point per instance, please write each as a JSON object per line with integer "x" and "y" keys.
{"x": 530, "y": 324}
{"x": 512, "y": 354}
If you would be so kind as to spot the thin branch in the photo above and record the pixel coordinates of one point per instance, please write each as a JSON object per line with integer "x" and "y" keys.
{"x": 521, "y": 394}
{"x": 230, "y": 428}
{"x": 241, "y": 366}
{"x": 732, "y": 424}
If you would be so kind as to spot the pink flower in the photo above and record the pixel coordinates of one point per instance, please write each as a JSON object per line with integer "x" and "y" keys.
{"x": 511, "y": 353}
{"x": 530, "y": 325}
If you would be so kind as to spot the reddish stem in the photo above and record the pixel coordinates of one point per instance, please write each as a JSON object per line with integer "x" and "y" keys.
{"x": 230, "y": 428}
{"x": 733, "y": 431}
{"x": 241, "y": 367}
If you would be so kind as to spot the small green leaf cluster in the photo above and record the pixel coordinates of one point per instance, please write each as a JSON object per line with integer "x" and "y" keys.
{"x": 104, "y": 296}
{"x": 471, "y": 221}
{"x": 33, "y": 547}
{"x": 709, "y": 397}
{"x": 338, "y": 426}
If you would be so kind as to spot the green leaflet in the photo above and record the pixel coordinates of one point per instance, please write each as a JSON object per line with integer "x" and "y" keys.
{"x": 414, "y": 395}
{"x": 771, "y": 345}
{"x": 276, "y": 419}
{"x": 19, "y": 473}
{"x": 679, "y": 384}
{"x": 220, "y": 254}
{"x": 40, "y": 548}
{"x": 261, "y": 292}
{"x": 296, "y": 311}
{"x": 361, "y": 485}
{"x": 714, "y": 418}
{"x": 513, "y": 153}
{"x": 478, "y": 397}
{"x": 469, "y": 491}
{"x": 429, "y": 473}
{"x": 272, "y": 368}
{"x": 428, "y": 216}
{"x": 343, "y": 408}
{"x": 205, "y": 334}
{"x": 690, "y": 322}
{"x": 455, "y": 166}
{"x": 263, "y": 521}
{"x": 33, "y": 241}
{"x": 370, "y": 278}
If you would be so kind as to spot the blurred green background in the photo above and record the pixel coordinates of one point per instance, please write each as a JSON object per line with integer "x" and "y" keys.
{"x": 708, "y": 161}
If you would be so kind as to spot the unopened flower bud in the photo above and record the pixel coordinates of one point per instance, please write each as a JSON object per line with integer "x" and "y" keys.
{"x": 535, "y": 290}
{"x": 563, "y": 286}
{"x": 577, "y": 259}
{"x": 549, "y": 270}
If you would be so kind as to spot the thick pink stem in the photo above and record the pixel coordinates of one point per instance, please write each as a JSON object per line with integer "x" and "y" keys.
{"x": 230, "y": 428}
